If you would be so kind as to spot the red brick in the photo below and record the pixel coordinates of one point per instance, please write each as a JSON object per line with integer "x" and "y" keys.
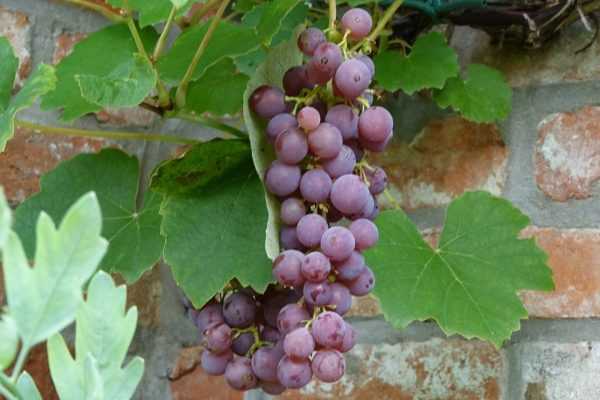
{"x": 65, "y": 44}
{"x": 450, "y": 156}
{"x": 567, "y": 155}
{"x": 15, "y": 26}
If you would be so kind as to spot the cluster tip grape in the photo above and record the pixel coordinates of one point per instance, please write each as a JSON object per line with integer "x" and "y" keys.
{"x": 322, "y": 125}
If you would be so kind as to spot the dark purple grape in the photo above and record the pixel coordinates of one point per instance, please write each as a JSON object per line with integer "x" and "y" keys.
{"x": 315, "y": 267}
{"x": 218, "y": 338}
{"x": 364, "y": 284}
{"x": 365, "y": 232}
{"x": 340, "y": 298}
{"x": 291, "y": 317}
{"x": 239, "y": 374}
{"x": 287, "y": 268}
{"x": 267, "y": 101}
{"x": 299, "y": 343}
{"x": 321, "y": 107}
{"x": 292, "y": 210}
{"x": 215, "y": 364}
{"x": 350, "y": 268}
{"x": 349, "y": 341}
{"x": 289, "y": 238}
{"x": 308, "y": 118}
{"x": 242, "y": 343}
{"x": 329, "y": 329}
{"x": 358, "y": 22}
{"x": 309, "y": 40}
{"x": 328, "y": 365}
{"x": 310, "y": 229}
{"x": 345, "y": 119}
{"x": 316, "y": 76}
{"x": 368, "y": 63}
{"x": 210, "y": 314}
{"x": 375, "y": 124}
{"x": 337, "y": 243}
{"x": 327, "y": 58}
{"x": 264, "y": 363}
{"x": 317, "y": 294}
{"x": 294, "y": 374}
{"x": 282, "y": 179}
{"x": 291, "y": 146}
{"x": 239, "y": 310}
{"x": 377, "y": 179}
{"x": 326, "y": 141}
{"x": 333, "y": 214}
{"x": 352, "y": 78}
{"x": 315, "y": 186}
{"x": 272, "y": 388}
{"x": 349, "y": 194}
{"x": 269, "y": 334}
{"x": 341, "y": 164}
{"x": 278, "y": 124}
{"x": 295, "y": 79}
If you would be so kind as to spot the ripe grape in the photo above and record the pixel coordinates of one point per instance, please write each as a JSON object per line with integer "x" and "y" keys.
{"x": 377, "y": 179}
{"x": 292, "y": 210}
{"x": 350, "y": 268}
{"x": 289, "y": 238}
{"x": 327, "y": 58}
{"x": 375, "y": 124}
{"x": 352, "y": 78}
{"x": 299, "y": 343}
{"x": 239, "y": 310}
{"x": 218, "y": 338}
{"x": 376, "y": 147}
{"x": 310, "y": 228}
{"x": 210, "y": 314}
{"x": 272, "y": 388}
{"x": 337, "y": 243}
{"x": 315, "y": 185}
{"x": 340, "y": 298}
{"x": 269, "y": 334}
{"x": 294, "y": 374}
{"x": 267, "y": 101}
{"x": 329, "y": 329}
{"x": 215, "y": 364}
{"x": 349, "y": 338}
{"x": 264, "y": 363}
{"x": 309, "y": 118}
{"x": 317, "y": 294}
{"x": 295, "y": 79}
{"x": 341, "y": 164}
{"x": 291, "y": 146}
{"x": 242, "y": 343}
{"x": 328, "y": 365}
{"x": 325, "y": 141}
{"x": 282, "y": 179}
{"x": 278, "y": 124}
{"x": 239, "y": 374}
{"x": 345, "y": 119}
{"x": 358, "y": 22}
{"x": 309, "y": 40}
{"x": 291, "y": 317}
{"x": 349, "y": 194}
{"x": 362, "y": 285}
{"x": 287, "y": 268}
{"x": 368, "y": 63}
{"x": 315, "y": 267}
{"x": 316, "y": 76}
{"x": 367, "y": 209}
{"x": 365, "y": 232}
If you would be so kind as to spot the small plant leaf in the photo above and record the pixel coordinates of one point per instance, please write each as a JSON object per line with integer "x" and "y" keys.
{"x": 9, "y": 340}
{"x": 8, "y": 71}
{"x": 5, "y": 218}
{"x": 27, "y": 388}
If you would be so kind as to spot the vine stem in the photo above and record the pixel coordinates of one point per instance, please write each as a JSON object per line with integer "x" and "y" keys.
{"x": 332, "y": 14}
{"x": 385, "y": 18}
{"x": 180, "y": 96}
{"x": 210, "y": 122}
{"x": 99, "y": 9}
{"x": 162, "y": 40}
{"x": 8, "y": 389}
{"x": 151, "y": 137}
{"x": 202, "y": 11}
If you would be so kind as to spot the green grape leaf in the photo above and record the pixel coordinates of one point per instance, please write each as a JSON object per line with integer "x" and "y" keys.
{"x": 27, "y": 388}
{"x": 127, "y": 86}
{"x": 114, "y": 40}
{"x": 272, "y": 17}
{"x": 201, "y": 165}
{"x": 133, "y": 233}
{"x": 103, "y": 333}
{"x": 5, "y": 218}
{"x": 39, "y": 83}
{"x": 278, "y": 61}
{"x": 219, "y": 91}
{"x": 228, "y": 40}
{"x": 8, "y": 71}
{"x": 430, "y": 63}
{"x": 469, "y": 283}
{"x": 483, "y": 97}
{"x": 9, "y": 340}
{"x": 43, "y": 300}
{"x": 153, "y": 11}
{"x": 243, "y": 6}
{"x": 217, "y": 234}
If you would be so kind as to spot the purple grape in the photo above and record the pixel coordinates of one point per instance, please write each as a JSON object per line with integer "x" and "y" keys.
{"x": 376, "y": 147}
{"x": 264, "y": 363}
{"x": 310, "y": 229}
{"x": 291, "y": 317}
{"x": 352, "y": 78}
{"x": 211, "y": 314}
{"x": 269, "y": 334}
{"x": 350, "y": 268}
{"x": 349, "y": 194}
{"x": 365, "y": 232}
{"x": 329, "y": 329}
{"x": 326, "y": 141}
{"x": 239, "y": 374}
{"x": 349, "y": 338}
{"x": 308, "y": 118}
{"x": 215, "y": 364}
{"x": 317, "y": 294}
{"x": 368, "y": 63}
{"x": 218, "y": 338}
{"x": 294, "y": 374}
{"x": 267, "y": 101}
{"x": 358, "y": 22}
{"x": 282, "y": 179}
{"x": 309, "y": 40}
{"x": 328, "y": 365}
{"x": 315, "y": 267}
{"x": 291, "y": 146}
{"x": 375, "y": 124}
{"x": 341, "y": 164}
{"x": 278, "y": 124}
{"x": 356, "y": 147}
{"x": 239, "y": 310}
{"x": 316, "y": 76}
{"x": 337, "y": 243}
{"x": 299, "y": 343}
{"x": 377, "y": 179}
{"x": 289, "y": 238}
{"x": 327, "y": 58}
{"x": 340, "y": 298}
{"x": 295, "y": 79}
{"x": 362, "y": 285}
{"x": 292, "y": 210}
{"x": 287, "y": 268}
{"x": 272, "y": 388}
{"x": 315, "y": 186}
{"x": 345, "y": 119}
{"x": 242, "y": 343}
{"x": 367, "y": 209}
{"x": 375, "y": 212}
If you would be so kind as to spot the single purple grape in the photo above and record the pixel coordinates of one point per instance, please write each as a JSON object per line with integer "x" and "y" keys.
{"x": 328, "y": 365}
{"x": 308, "y": 118}
{"x": 242, "y": 343}
{"x": 358, "y": 22}
{"x": 282, "y": 179}
{"x": 218, "y": 338}
{"x": 352, "y": 78}
{"x": 291, "y": 317}
{"x": 317, "y": 294}
{"x": 291, "y": 146}
{"x": 267, "y": 101}
{"x": 350, "y": 268}
{"x": 375, "y": 124}
{"x": 364, "y": 284}
{"x": 239, "y": 310}
{"x": 210, "y": 314}
{"x": 326, "y": 141}
{"x": 349, "y": 194}
{"x": 377, "y": 179}
{"x": 294, "y": 374}
{"x": 295, "y": 79}
{"x": 315, "y": 186}
{"x": 329, "y": 329}
{"x": 365, "y": 232}
{"x": 264, "y": 363}
{"x": 292, "y": 209}
{"x": 368, "y": 63}
{"x": 327, "y": 58}
{"x": 315, "y": 267}
{"x": 349, "y": 341}
{"x": 310, "y": 229}
{"x": 215, "y": 364}
{"x": 341, "y": 164}
{"x": 316, "y": 76}
{"x": 345, "y": 119}
{"x": 309, "y": 40}
{"x": 269, "y": 334}
{"x": 239, "y": 374}
{"x": 340, "y": 298}
{"x": 272, "y": 388}
{"x": 287, "y": 268}
{"x": 299, "y": 343}
{"x": 367, "y": 209}
{"x": 337, "y": 243}
{"x": 289, "y": 238}
{"x": 278, "y": 124}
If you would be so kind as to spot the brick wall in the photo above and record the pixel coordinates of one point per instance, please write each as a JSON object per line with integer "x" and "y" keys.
{"x": 544, "y": 158}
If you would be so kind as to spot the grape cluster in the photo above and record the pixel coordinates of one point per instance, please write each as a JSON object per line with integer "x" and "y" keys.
{"x": 322, "y": 126}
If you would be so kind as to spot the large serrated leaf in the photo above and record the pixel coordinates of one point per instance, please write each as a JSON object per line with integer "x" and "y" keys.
{"x": 469, "y": 283}
{"x": 278, "y": 61}
{"x": 8, "y": 71}
{"x": 153, "y": 11}
{"x": 272, "y": 18}
{"x": 218, "y": 234}
{"x": 39, "y": 83}
{"x": 134, "y": 233}
{"x": 430, "y": 63}
{"x": 483, "y": 97}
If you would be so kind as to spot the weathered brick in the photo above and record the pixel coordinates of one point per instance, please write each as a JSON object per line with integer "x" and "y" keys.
{"x": 436, "y": 369}
{"x": 15, "y": 26}
{"x": 64, "y": 45}
{"x": 450, "y": 156}
{"x": 567, "y": 154}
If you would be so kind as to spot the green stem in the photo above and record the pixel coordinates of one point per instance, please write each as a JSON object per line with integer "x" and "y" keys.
{"x": 18, "y": 367}
{"x": 99, "y": 9}
{"x": 210, "y": 122}
{"x": 8, "y": 389}
{"x": 180, "y": 97}
{"x": 332, "y": 14}
{"x": 162, "y": 40}
{"x": 385, "y": 18}
{"x": 151, "y": 137}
